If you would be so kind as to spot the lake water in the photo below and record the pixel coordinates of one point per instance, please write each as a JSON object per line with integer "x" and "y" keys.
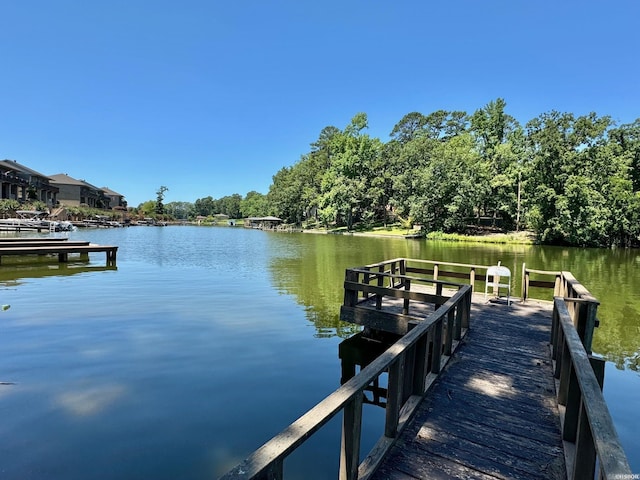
{"x": 205, "y": 342}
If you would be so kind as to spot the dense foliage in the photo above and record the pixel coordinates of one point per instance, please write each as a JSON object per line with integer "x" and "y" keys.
{"x": 572, "y": 180}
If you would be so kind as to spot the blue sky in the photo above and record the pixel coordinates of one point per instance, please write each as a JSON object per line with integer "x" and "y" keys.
{"x": 213, "y": 98}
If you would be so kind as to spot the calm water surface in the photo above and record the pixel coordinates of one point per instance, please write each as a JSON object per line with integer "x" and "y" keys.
{"x": 204, "y": 342}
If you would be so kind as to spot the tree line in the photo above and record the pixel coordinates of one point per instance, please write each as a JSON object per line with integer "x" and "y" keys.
{"x": 569, "y": 179}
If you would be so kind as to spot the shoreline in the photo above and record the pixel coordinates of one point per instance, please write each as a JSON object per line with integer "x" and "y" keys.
{"x": 514, "y": 238}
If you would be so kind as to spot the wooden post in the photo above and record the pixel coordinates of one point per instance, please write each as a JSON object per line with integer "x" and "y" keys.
{"x": 403, "y": 268}
{"x": 435, "y": 271}
{"x": 351, "y": 432}
{"x": 457, "y": 328}
{"x": 380, "y": 284}
{"x": 438, "y": 293}
{"x": 598, "y": 369}
{"x": 564, "y": 374}
{"x": 393, "y": 272}
{"x": 558, "y": 353}
{"x": 275, "y": 471}
{"x": 590, "y": 308}
{"x": 437, "y": 346}
{"x": 350, "y": 295}
{"x": 466, "y": 305}
{"x": 405, "y": 305}
{"x": 555, "y": 326}
{"x": 523, "y": 286}
{"x": 421, "y": 364}
{"x": 448, "y": 343}
{"x": 472, "y": 278}
{"x": 574, "y": 400}
{"x": 394, "y": 396}
{"x": 366, "y": 282}
{"x": 557, "y": 289}
{"x": 584, "y": 465}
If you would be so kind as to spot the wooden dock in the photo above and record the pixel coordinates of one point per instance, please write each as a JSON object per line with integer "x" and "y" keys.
{"x": 61, "y": 247}
{"x": 492, "y": 414}
{"x": 475, "y": 387}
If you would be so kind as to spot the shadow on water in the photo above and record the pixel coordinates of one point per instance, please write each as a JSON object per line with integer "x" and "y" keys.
{"x": 15, "y": 274}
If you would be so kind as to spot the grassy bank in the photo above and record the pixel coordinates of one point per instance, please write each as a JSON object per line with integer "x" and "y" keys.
{"x": 515, "y": 238}
{"x": 520, "y": 238}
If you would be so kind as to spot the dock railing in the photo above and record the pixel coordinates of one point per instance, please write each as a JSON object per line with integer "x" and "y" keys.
{"x": 436, "y": 270}
{"x": 581, "y": 305}
{"x": 412, "y": 364}
{"x": 392, "y": 279}
{"x": 588, "y": 432}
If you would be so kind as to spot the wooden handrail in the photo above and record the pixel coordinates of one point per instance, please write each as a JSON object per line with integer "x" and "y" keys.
{"x": 409, "y": 354}
{"x": 582, "y": 306}
{"x": 405, "y": 265}
{"x": 586, "y": 422}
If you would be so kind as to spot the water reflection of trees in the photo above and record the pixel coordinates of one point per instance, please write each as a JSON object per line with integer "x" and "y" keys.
{"x": 311, "y": 267}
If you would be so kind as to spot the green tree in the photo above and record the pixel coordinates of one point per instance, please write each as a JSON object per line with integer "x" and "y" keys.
{"x": 147, "y": 208}
{"x": 204, "y": 206}
{"x": 448, "y": 187}
{"x": 580, "y": 181}
{"x": 254, "y": 204}
{"x": 285, "y": 195}
{"x": 627, "y": 137}
{"x": 500, "y": 142}
{"x": 349, "y": 192}
{"x": 179, "y": 210}
{"x": 159, "y": 208}
{"x": 230, "y": 205}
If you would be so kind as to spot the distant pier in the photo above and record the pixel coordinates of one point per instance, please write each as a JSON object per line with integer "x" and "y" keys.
{"x": 54, "y": 246}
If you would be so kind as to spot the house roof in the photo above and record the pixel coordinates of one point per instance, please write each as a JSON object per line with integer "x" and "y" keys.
{"x": 111, "y": 193}
{"x": 13, "y": 165}
{"x": 64, "y": 179}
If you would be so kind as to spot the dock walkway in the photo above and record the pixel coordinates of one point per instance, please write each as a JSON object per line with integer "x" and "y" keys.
{"x": 493, "y": 412}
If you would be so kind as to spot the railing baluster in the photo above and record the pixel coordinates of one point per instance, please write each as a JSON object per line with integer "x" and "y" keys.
{"x": 457, "y": 327}
{"x": 584, "y": 465}
{"x": 350, "y": 295}
{"x": 448, "y": 342}
{"x": 351, "y": 434}
{"x": 394, "y": 396}
{"x": 421, "y": 365}
{"x": 437, "y": 346}
{"x": 572, "y": 405}
{"x": 405, "y": 305}
{"x": 380, "y": 284}
{"x": 275, "y": 471}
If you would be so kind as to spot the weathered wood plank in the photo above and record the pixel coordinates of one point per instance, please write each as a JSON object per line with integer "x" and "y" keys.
{"x": 61, "y": 249}
{"x": 492, "y": 413}
{"x": 42, "y": 243}
{"x": 404, "y": 464}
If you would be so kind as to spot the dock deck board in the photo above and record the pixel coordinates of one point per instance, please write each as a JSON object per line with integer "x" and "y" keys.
{"x": 492, "y": 414}
{"x": 62, "y": 249}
